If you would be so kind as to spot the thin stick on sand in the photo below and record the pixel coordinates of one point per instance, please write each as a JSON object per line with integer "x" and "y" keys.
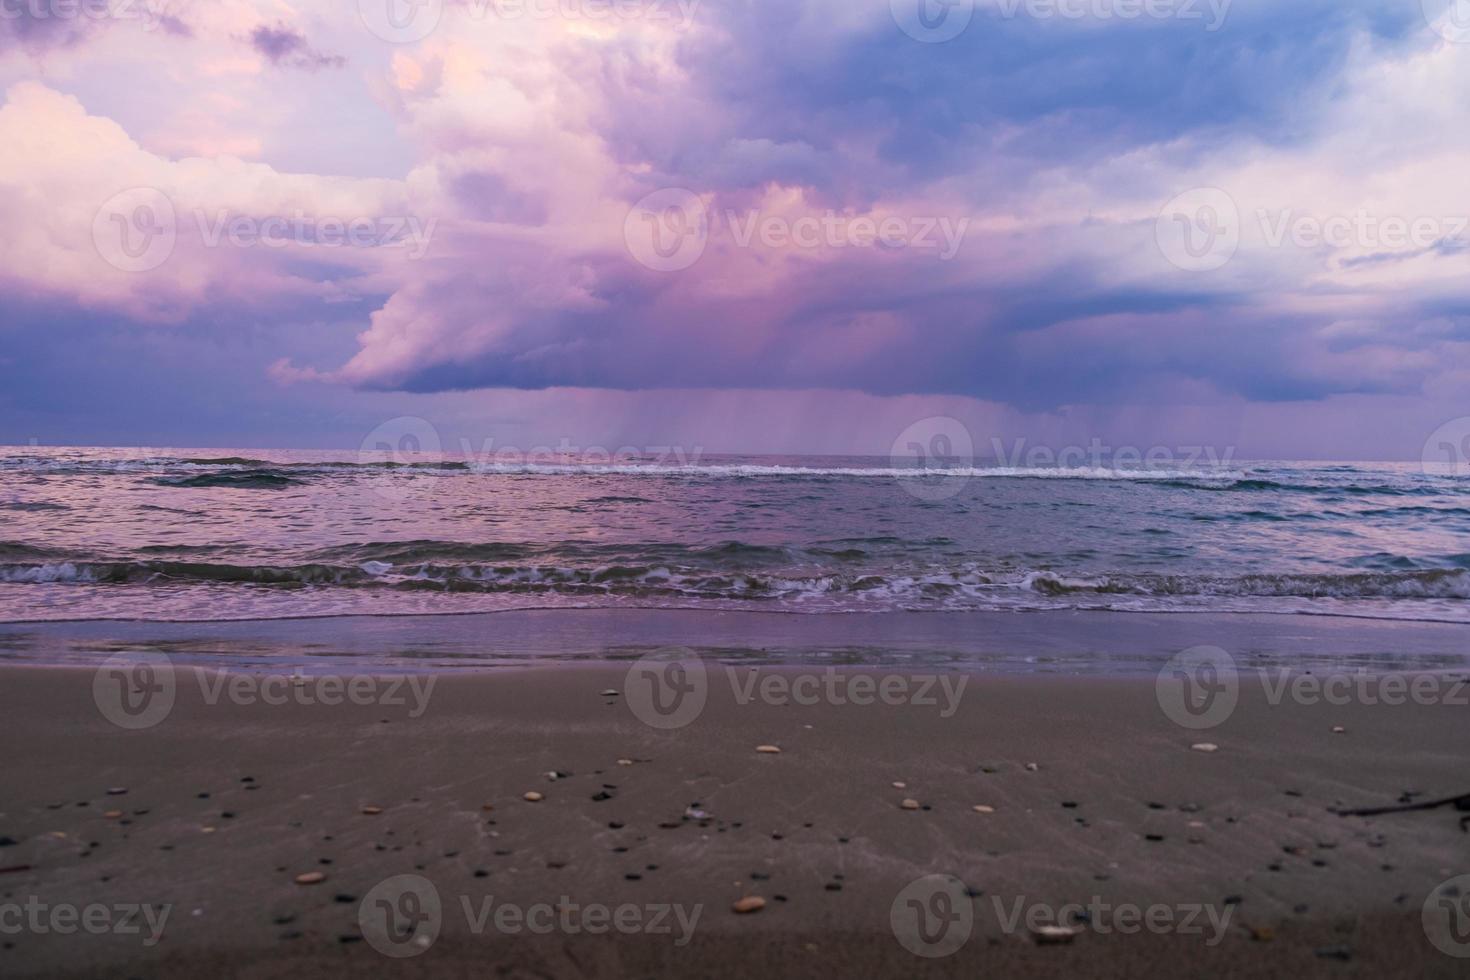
{"x": 1461, "y": 803}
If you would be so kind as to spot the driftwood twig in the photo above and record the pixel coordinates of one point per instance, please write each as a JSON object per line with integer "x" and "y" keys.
{"x": 1461, "y": 803}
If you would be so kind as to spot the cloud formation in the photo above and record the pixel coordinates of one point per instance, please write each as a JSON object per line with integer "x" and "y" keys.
{"x": 1255, "y": 206}
{"x": 287, "y": 48}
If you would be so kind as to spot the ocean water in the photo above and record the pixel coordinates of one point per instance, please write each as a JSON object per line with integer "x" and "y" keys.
{"x": 251, "y": 534}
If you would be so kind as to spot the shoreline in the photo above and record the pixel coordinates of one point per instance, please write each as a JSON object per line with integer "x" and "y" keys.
{"x": 1093, "y": 794}
{"x": 1091, "y": 642}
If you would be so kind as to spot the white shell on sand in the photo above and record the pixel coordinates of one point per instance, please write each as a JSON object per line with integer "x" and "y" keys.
{"x": 1053, "y": 935}
{"x": 1205, "y": 747}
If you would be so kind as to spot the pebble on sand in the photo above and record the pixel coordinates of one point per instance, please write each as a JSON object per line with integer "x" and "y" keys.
{"x": 1053, "y": 935}
{"x": 910, "y": 804}
{"x": 610, "y": 693}
{"x": 371, "y": 811}
{"x": 982, "y": 808}
{"x": 112, "y": 814}
{"x": 900, "y": 785}
{"x": 748, "y": 904}
{"x": 533, "y": 797}
{"x": 625, "y": 762}
{"x": 769, "y": 749}
{"x": 1338, "y": 729}
{"x": 310, "y": 878}
{"x": 1205, "y": 747}
{"x": 1032, "y": 767}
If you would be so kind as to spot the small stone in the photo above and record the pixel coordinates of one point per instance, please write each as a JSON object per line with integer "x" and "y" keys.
{"x": 487, "y": 807}
{"x": 1263, "y": 934}
{"x": 1205, "y": 747}
{"x": 769, "y": 749}
{"x": 1032, "y": 767}
{"x": 900, "y": 785}
{"x": 112, "y": 814}
{"x": 1338, "y": 729}
{"x": 982, "y": 808}
{"x": 533, "y": 797}
{"x": 1053, "y": 935}
{"x": 310, "y": 878}
{"x": 117, "y": 790}
{"x": 610, "y": 693}
{"x": 371, "y": 811}
{"x": 625, "y": 762}
{"x": 910, "y": 804}
{"x": 748, "y": 904}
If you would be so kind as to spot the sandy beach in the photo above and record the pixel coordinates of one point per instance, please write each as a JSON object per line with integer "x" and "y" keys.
{"x": 186, "y": 838}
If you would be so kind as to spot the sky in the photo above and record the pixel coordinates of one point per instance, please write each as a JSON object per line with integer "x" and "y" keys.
{"x": 736, "y": 225}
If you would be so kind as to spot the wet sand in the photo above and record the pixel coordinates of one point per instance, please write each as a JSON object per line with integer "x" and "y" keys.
{"x": 1098, "y": 799}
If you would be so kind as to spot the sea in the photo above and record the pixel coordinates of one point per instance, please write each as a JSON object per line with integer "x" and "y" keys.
{"x": 231, "y": 535}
